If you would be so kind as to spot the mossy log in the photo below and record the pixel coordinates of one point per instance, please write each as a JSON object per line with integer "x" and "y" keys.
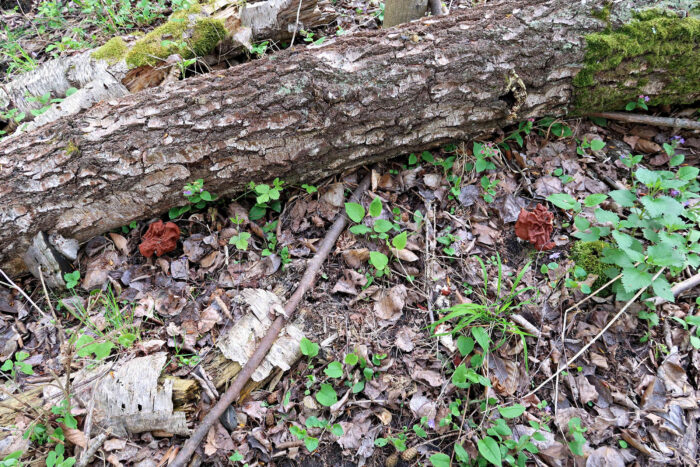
{"x": 306, "y": 113}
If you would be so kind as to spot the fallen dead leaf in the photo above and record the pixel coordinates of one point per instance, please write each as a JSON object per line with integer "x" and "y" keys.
{"x": 389, "y": 307}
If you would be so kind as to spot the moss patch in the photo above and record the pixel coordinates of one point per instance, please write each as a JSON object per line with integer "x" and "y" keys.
{"x": 186, "y": 33}
{"x": 587, "y": 255}
{"x": 617, "y": 62}
{"x": 113, "y": 50}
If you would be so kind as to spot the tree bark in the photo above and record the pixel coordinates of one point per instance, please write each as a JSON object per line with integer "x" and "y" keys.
{"x": 301, "y": 115}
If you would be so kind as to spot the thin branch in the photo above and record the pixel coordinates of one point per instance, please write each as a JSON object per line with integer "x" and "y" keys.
{"x": 307, "y": 282}
{"x": 669, "y": 122}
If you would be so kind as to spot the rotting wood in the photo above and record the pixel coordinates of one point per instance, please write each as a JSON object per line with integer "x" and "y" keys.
{"x": 300, "y": 115}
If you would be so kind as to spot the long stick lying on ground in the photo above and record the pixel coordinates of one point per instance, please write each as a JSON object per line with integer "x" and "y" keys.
{"x": 649, "y": 120}
{"x": 307, "y": 281}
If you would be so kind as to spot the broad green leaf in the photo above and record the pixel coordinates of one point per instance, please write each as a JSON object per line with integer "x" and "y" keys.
{"x": 624, "y": 198}
{"x": 581, "y": 223}
{"x": 663, "y": 254}
{"x": 594, "y": 200}
{"x": 647, "y": 177}
{"x": 327, "y": 395}
{"x": 461, "y": 453}
{"x": 465, "y": 345}
{"x": 623, "y": 240}
{"x": 512, "y": 411}
{"x": 605, "y": 217}
{"x": 634, "y": 279}
{"x": 358, "y": 387}
{"x": 308, "y": 348}
{"x": 399, "y": 242}
{"x": 360, "y": 229}
{"x": 662, "y": 206}
{"x": 351, "y": 359}
{"x": 488, "y": 447}
{"x": 21, "y": 356}
{"x": 378, "y": 260}
{"x": 440, "y": 460}
{"x": 662, "y": 288}
{"x": 355, "y": 211}
{"x": 382, "y": 225}
{"x": 311, "y": 443}
{"x": 334, "y": 370}
{"x": 563, "y": 201}
{"x": 597, "y": 145}
{"x": 482, "y": 337}
{"x": 427, "y": 157}
{"x": 375, "y": 207}
{"x": 337, "y": 429}
{"x": 688, "y": 173}
{"x": 459, "y": 376}
{"x": 617, "y": 257}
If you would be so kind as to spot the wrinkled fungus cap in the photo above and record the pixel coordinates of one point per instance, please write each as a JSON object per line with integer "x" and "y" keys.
{"x": 536, "y": 227}
{"x": 159, "y": 239}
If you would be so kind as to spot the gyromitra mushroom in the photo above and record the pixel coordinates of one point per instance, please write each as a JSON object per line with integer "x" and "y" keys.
{"x": 536, "y": 227}
{"x": 159, "y": 239}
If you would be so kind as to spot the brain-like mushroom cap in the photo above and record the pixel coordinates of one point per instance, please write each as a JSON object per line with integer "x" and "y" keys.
{"x": 160, "y": 238}
{"x": 536, "y": 227}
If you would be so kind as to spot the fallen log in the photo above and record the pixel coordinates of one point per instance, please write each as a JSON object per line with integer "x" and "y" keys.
{"x": 304, "y": 114}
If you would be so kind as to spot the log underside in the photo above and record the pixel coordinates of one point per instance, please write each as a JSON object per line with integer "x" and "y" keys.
{"x": 299, "y": 115}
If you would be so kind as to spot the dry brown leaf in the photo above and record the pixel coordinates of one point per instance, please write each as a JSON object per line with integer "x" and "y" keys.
{"x": 405, "y": 255}
{"x": 404, "y": 339}
{"x": 431, "y": 377}
{"x": 355, "y": 258}
{"x": 114, "y": 444}
{"x": 75, "y": 436}
{"x": 389, "y": 307}
{"x": 120, "y": 242}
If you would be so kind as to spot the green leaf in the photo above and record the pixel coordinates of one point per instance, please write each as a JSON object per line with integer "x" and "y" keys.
{"x": 334, "y": 370}
{"x": 594, "y": 199}
{"x": 465, "y": 345}
{"x": 512, "y": 411}
{"x": 597, "y": 145}
{"x": 461, "y": 453}
{"x": 634, "y": 279}
{"x": 631, "y": 106}
{"x": 337, "y": 429}
{"x": 581, "y": 223}
{"x": 647, "y": 177}
{"x": 488, "y": 447}
{"x": 623, "y": 240}
{"x": 21, "y": 356}
{"x": 358, "y": 387}
{"x": 327, "y": 395}
{"x": 236, "y": 456}
{"x": 7, "y": 366}
{"x": 427, "y": 157}
{"x": 206, "y": 196}
{"x": 311, "y": 443}
{"x": 624, "y": 198}
{"x": 308, "y": 348}
{"x": 399, "y": 242}
{"x": 663, "y": 254}
{"x": 676, "y": 160}
{"x": 482, "y": 337}
{"x": 688, "y": 173}
{"x": 378, "y": 260}
{"x": 382, "y": 226}
{"x": 604, "y": 217}
{"x": 360, "y": 229}
{"x": 563, "y": 201}
{"x": 351, "y": 359}
{"x": 662, "y": 288}
{"x": 355, "y": 211}
{"x": 375, "y": 207}
{"x": 662, "y": 206}
{"x": 440, "y": 460}
{"x": 459, "y": 376}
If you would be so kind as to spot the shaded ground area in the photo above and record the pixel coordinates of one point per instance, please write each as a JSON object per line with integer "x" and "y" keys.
{"x": 432, "y": 321}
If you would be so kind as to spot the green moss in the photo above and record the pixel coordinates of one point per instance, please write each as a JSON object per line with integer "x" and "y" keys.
{"x": 587, "y": 255}
{"x": 71, "y": 148}
{"x": 603, "y": 14}
{"x": 186, "y": 33}
{"x": 113, "y": 50}
{"x": 617, "y": 63}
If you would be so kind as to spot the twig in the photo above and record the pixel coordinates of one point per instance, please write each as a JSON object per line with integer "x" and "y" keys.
{"x": 296, "y": 25}
{"x": 680, "y": 287}
{"x": 94, "y": 446}
{"x": 12, "y": 285}
{"x": 307, "y": 281}
{"x": 649, "y": 120}
{"x": 597, "y": 336}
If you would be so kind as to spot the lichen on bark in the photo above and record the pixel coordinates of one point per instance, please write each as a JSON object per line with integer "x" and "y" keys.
{"x": 654, "y": 40}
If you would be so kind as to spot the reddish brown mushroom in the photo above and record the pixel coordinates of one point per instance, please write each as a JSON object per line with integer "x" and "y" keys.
{"x": 159, "y": 239}
{"x": 536, "y": 227}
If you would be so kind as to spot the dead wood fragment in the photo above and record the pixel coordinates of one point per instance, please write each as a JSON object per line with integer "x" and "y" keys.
{"x": 307, "y": 281}
{"x": 668, "y": 122}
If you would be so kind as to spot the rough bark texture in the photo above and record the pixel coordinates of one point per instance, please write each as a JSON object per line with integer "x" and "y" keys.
{"x": 298, "y": 115}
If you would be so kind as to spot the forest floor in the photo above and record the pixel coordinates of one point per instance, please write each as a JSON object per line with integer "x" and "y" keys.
{"x": 432, "y": 324}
